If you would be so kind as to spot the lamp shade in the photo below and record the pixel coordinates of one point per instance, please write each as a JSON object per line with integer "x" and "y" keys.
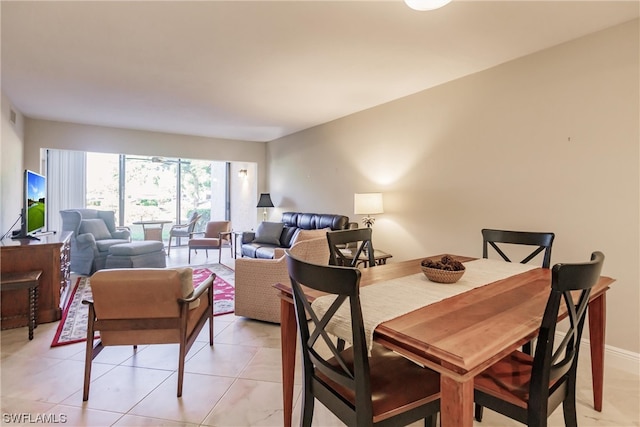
{"x": 367, "y": 203}
{"x": 265, "y": 201}
{"x": 426, "y": 4}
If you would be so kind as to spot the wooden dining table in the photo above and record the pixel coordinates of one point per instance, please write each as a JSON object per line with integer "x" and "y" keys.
{"x": 459, "y": 336}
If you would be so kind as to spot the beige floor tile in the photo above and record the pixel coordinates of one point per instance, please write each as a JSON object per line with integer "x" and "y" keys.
{"x": 221, "y": 359}
{"x": 200, "y": 394}
{"x": 249, "y": 403}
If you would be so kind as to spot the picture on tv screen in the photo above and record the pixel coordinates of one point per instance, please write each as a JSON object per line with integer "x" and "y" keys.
{"x": 35, "y": 204}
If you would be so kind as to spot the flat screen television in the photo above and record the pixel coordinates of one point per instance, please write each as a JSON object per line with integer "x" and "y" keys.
{"x": 34, "y": 216}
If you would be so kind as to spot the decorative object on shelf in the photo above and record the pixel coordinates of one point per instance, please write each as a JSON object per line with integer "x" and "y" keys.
{"x": 367, "y": 204}
{"x": 265, "y": 202}
{"x": 423, "y": 5}
{"x": 445, "y": 270}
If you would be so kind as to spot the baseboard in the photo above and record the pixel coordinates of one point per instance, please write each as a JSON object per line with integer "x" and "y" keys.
{"x": 622, "y": 359}
{"x": 619, "y": 358}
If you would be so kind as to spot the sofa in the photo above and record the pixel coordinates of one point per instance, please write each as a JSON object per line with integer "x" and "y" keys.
{"x": 94, "y": 232}
{"x": 294, "y": 227}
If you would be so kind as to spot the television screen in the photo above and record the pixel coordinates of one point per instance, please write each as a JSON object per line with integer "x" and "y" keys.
{"x": 35, "y": 201}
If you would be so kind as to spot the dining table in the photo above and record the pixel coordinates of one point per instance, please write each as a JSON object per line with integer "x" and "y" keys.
{"x": 458, "y": 336}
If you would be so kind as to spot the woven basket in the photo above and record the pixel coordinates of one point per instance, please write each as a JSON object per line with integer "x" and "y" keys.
{"x": 442, "y": 276}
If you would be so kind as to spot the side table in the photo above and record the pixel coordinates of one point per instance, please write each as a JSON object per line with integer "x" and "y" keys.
{"x": 29, "y": 280}
{"x": 379, "y": 257}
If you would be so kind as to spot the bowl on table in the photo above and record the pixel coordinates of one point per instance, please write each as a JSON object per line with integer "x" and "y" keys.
{"x": 445, "y": 270}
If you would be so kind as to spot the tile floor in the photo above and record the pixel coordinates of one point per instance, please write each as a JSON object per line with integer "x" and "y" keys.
{"x": 234, "y": 383}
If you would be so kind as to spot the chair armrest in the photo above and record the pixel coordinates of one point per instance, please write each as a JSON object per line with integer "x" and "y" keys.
{"x": 87, "y": 302}
{"x": 86, "y": 240}
{"x": 225, "y": 233}
{"x": 121, "y": 234}
{"x": 278, "y": 253}
{"x": 248, "y": 236}
{"x": 197, "y": 292}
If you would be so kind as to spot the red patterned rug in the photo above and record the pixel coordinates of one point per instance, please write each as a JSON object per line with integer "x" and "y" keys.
{"x": 73, "y": 325}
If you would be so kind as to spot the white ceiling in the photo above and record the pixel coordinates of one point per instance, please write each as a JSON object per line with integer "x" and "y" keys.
{"x": 263, "y": 69}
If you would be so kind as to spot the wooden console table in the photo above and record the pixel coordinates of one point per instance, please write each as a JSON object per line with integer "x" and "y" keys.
{"x": 51, "y": 254}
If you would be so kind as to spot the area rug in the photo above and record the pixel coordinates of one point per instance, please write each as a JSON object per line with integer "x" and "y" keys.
{"x": 73, "y": 325}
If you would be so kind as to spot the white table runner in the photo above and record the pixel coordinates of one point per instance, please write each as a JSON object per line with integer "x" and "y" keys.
{"x": 392, "y": 298}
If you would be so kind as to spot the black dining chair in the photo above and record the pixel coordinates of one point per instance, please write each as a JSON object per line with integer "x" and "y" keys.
{"x": 528, "y": 389}
{"x": 541, "y": 240}
{"x": 500, "y": 240}
{"x": 346, "y": 247}
{"x": 380, "y": 389}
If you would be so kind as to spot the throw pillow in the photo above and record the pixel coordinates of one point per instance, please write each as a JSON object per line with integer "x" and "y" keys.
{"x": 97, "y": 227}
{"x": 269, "y": 232}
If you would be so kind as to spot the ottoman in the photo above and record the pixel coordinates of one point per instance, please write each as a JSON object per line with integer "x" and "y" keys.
{"x": 144, "y": 254}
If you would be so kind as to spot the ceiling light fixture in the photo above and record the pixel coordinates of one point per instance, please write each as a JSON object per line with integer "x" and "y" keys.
{"x": 426, "y": 4}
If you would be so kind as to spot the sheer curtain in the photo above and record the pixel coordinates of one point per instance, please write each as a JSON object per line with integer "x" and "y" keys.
{"x": 66, "y": 184}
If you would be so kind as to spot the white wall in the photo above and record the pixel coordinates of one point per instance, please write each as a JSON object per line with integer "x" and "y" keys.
{"x": 548, "y": 142}
{"x": 11, "y": 166}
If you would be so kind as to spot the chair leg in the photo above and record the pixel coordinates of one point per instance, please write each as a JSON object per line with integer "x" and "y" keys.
{"x": 478, "y": 413}
{"x": 189, "y": 255}
{"x": 181, "y": 358}
{"x": 169, "y": 248}
{"x": 220, "y": 255}
{"x": 431, "y": 420}
{"x": 307, "y": 409}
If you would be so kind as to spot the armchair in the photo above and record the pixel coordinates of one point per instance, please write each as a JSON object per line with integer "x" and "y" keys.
{"x": 255, "y": 297}
{"x": 184, "y": 230}
{"x": 147, "y": 306}
{"x": 94, "y": 232}
{"x": 217, "y": 235}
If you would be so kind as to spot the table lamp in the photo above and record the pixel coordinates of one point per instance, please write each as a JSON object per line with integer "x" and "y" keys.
{"x": 368, "y": 204}
{"x": 265, "y": 202}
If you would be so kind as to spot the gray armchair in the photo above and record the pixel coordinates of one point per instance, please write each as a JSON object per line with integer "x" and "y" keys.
{"x": 94, "y": 232}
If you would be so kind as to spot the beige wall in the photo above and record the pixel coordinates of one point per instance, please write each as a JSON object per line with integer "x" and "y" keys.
{"x": 548, "y": 142}
{"x": 11, "y": 167}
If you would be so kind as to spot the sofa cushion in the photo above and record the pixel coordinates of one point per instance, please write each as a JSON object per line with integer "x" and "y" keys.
{"x": 269, "y": 232}
{"x": 97, "y": 227}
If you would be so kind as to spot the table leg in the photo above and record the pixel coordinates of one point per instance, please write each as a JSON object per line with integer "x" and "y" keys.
{"x": 456, "y": 402}
{"x": 597, "y": 326}
{"x": 288, "y": 335}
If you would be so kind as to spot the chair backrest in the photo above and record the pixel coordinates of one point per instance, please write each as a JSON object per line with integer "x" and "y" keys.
{"x": 193, "y": 221}
{"x": 323, "y": 363}
{"x": 141, "y": 293}
{"x": 214, "y": 228}
{"x": 542, "y": 240}
{"x": 346, "y": 247}
{"x": 314, "y": 251}
{"x": 556, "y": 363}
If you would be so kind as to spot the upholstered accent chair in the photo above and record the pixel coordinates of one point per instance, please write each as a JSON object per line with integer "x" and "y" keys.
{"x": 94, "y": 232}
{"x": 147, "y": 306}
{"x": 255, "y": 296}
{"x": 217, "y": 235}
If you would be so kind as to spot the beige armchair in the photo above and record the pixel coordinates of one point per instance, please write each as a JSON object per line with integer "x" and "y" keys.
{"x": 147, "y": 306}
{"x": 255, "y": 296}
{"x": 217, "y": 235}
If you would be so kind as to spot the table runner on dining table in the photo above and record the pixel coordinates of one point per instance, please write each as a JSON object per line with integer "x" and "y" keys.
{"x": 387, "y": 300}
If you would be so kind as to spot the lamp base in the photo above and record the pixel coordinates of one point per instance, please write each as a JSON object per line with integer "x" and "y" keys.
{"x": 368, "y": 221}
